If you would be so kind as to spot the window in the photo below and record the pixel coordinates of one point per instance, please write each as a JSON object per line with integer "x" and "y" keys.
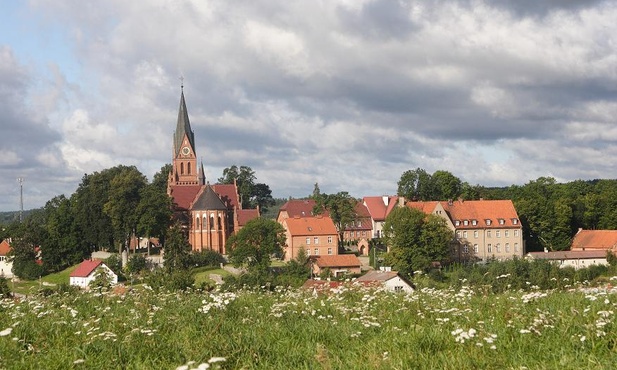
{"x": 316, "y": 240}
{"x": 516, "y": 247}
{"x": 474, "y": 222}
{"x": 488, "y": 221}
{"x": 498, "y": 248}
{"x": 465, "y": 234}
{"x": 475, "y": 248}
{"x": 507, "y": 247}
{"x": 363, "y": 234}
{"x": 181, "y": 168}
{"x": 516, "y": 233}
{"x": 458, "y": 234}
{"x": 316, "y": 251}
{"x": 475, "y": 234}
{"x": 465, "y": 249}
{"x": 506, "y": 233}
{"x": 498, "y": 234}
{"x": 514, "y": 221}
{"x": 308, "y": 251}
{"x": 329, "y": 250}
{"x": 308, "y": 241}
{"x": 489, "y": 248}
{"x": 466, "y": 222}
{"x": 329, "y": 240}
{"x": 2, "y": 258}
{"x": 457, "y": 222}
{"x": 211, "y": 221}
{"x": 502, "y": 221}
{"x": 188, "y": 166}
{"x": 488, "y": 233}
{"x": 197, "y": 223}
{"x": 398, "y": 288}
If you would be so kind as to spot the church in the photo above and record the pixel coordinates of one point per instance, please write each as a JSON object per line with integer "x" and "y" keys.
{"x": 210, "y": 214}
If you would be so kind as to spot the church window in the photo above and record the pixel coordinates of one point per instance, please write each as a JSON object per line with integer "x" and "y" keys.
{"x": 181, "y": 168}
{"x": 188, "y": 168}
{"x": 220, "y": 223}
{"x": 211, "y": 222}
{"x": 197, "y": 223}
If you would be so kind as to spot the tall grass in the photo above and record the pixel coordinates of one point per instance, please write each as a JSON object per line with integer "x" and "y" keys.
{"x": 346, "y": 328}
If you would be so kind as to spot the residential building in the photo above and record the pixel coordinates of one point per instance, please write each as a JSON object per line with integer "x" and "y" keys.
{"x": 577, "y": 259}
{"x": 483, "y": 229}
{"x": 210, "y": 214}
{"x": 359, "y": 232}
{"x": 317, "y": 235}
{"x": 337, "y": 265}
{"x": 87, "y": 271}
{"x": 379, "y": 208}
{"x": 600, "y": 240}
{"x": 6, "y": 267}
{"x": 296, "y": 208}
{"x": 388, "y": 279}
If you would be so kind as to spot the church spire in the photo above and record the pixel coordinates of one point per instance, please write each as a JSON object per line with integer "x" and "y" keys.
{"x": 183, "y": 126}
{"x": 202, "y": 174}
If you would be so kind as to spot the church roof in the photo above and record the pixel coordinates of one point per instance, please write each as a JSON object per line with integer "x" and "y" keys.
{"x": 208, "y": 200}
{"x": 183, "y": 127}
{"x": 183, "y": 195}
{"x": 228, "y": 194}
{"x": 245, "y": 215}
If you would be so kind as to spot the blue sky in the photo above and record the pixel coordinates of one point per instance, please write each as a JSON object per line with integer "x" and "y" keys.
{"x": 349, "y": 94}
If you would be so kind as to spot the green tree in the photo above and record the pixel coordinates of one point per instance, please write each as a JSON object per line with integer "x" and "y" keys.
{"x": 62, "y": 247}
{"x": 252, "y": 194}
{"x": 154, "y": 212}
{"x": 255, "y": 243}
{"x": 415, "y": 240}
{"x": 177, "y": 250}
{"x": 445, "y": 186}
{"x": 415, "y": 185}
{"x": 341, "y": 207}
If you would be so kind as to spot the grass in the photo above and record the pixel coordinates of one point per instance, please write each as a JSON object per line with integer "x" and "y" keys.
{"x": 347, "y": 328}
{"x": 202, "y": 275}
{"x": 31, "y": 286}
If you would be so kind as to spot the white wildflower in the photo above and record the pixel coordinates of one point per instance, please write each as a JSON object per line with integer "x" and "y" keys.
{"x": 6, "y": 332}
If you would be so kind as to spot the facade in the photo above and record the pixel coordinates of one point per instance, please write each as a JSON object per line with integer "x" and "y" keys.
{"x": 577, "y": 259}
{"x": 6, "y": 267}
{"x": 316, "y": 235}
{"x": 360, "y": 232}
{"x": 600, "y": 240}
{"x": 210, "y": 214}
{"x": 484, "y": 229}
{"x": 342, "y": 264}
{"x": 390, "y": 280}
{"x": 87, "y": 271}
{"x": 379, "y": 208}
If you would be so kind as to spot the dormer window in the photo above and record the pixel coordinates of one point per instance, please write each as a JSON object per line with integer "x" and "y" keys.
{"x": 474, "y": 222}
{"x": 488, "y": 222}
{"x": 457, "y": 223}
{"x": 466, "y": 222}
{"x": 502, "y": 221}
{"x": 514, "y": 221}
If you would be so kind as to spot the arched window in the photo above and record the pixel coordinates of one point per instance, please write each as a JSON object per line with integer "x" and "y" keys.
{"x": 211, "y": 221}
{"x": 197, "y": 223}
{"x": 220, "y": 223}
{"x": 181, "y": 168}
{"x": 204, "y": 222}
{"x": 188, "y": 166}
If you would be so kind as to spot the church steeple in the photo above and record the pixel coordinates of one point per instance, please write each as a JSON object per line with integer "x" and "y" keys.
{"x": 183, "y": 127}
{"x": 184, "y": 159}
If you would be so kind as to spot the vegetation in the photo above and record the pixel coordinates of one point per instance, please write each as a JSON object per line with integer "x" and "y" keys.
{"x": 251, "y": 194}
{"x": 255, "y": 244}
{"x": 341, "y": 207}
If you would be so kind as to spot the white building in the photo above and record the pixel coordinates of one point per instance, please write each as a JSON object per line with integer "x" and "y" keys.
{"x": 86, "y": 272}
{"x": 6, "y": 267}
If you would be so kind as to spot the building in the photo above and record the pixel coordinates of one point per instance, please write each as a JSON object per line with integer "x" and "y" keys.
{"x": 209, "y": 214}
{"x": 317, "y": 235}
{"x": 483, "y": 229}
{"x": 337, "y": 265}
{"x": 87, "y": 271}
{"x": 296, "y": 208}
{"x": 360, "y": 232}
{"x": 577, "y": 259}
{"x": 599, "y": 240}
{"x": 379, "y": 208}
{"x": 390, "y": 280}
{"x": 6, "y": 267}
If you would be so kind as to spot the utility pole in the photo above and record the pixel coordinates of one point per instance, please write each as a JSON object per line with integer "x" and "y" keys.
{"x": 21, "y": 198}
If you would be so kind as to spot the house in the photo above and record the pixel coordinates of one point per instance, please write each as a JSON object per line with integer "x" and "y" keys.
{"x": 317, "y": 235}
{"x": 209, "y": 214}
{"x": 87, "y": 271}
{"x": 379, "y": 208}
{"x": 359, "y": 232}
{"x": 342, "y": 264}
{"x": 296, "y": 208}
{"x": 577, "y": 259}
{"x": 599, "y": 240}
{"x": 6, "y": 267}
{"x": 386, "y": 278}
{"x": 483, "y": 229}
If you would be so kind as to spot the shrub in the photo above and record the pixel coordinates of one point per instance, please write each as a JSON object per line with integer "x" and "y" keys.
{"x": 5, "y": 291}
{"x": 206, "y": 258}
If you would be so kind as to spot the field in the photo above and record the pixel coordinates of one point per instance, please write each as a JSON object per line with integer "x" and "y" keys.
{"x": 346, "y": 328}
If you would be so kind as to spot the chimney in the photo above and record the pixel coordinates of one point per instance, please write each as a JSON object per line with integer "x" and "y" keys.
{"x": 386, "y": 200}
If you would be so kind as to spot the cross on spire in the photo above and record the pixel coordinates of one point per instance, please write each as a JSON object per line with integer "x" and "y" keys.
{"x": 182, "y": 82}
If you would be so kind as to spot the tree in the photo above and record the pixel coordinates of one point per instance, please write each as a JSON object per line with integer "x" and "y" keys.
{"x": 177, "y": 249}
{"x": 252, "y": 194}
{"x": 341, "y": 208}
{"x": 415, "y": 185}
{"x": 62, "y": 247}
{"x": 445, "y": 186}
{"x": 262, "y": 197}
{"x": 154, "y": 212}
{"x": 255, "y": 243}
{"x": 416, "y": 240}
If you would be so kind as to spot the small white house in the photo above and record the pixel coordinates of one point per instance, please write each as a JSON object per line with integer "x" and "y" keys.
{"x": 86, "y": 272}
{"x": 577, "y": 259}
{"x": 391, "y": 280}
{"x": 6, "y": 267}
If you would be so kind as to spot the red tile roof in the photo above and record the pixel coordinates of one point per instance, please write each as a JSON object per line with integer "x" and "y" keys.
{"x": 298, "y": 207}
{"x": 595, "y": 239}
{"x": 184, "y": 195}
{"x": 85, "y": 268}
{"x": 377, "y": 275}
{"x": 4, "y": 248}
{"x": 245, "y": 215}
{"x": 377, "y": 208}
{"x": 321, "y": 284}
{"x": 309, "y": 226}
{"x": 341, "y": 260}
{"x": 228, "y": 194}
{"x": 426, "y": 207}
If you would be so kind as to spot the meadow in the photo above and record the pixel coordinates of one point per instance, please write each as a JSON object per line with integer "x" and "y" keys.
{"x": 345, "y": 328}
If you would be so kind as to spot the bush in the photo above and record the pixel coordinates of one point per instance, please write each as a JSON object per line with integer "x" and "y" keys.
{"x": 207, "y": 258}
{"x": 29, "y": 270}
{"x": 160, "y": 280}
{"x": 136, "y": 264}
{"x": 5, "y": 291}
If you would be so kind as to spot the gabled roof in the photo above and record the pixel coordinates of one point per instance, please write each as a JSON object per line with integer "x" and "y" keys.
{"x": 377, "y": 275}
{"x": 340, "y": 260}
{"x": 183, "y": 127}
{"x": 499, "y": 213}
{"x": 568, "y": 255}
{"x": 298, "y": 207}
{"x": 183, "y": 195}
{"x": 86, "y": 268}
{"x": 5, "y": 248}
{"x": 426, "y": 207}
{"x": 208, "y": 199}
{"x": 245, "y": 215}
{"x": 321, "y": 284}
{"x": 595, "y": 239}
{"x": 228, "y": 194}
{"x": 380, "y": 207}
{"x": 310, "y": 226}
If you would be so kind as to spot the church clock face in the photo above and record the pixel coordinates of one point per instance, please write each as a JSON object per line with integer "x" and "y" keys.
{"x": 186, "y": 150}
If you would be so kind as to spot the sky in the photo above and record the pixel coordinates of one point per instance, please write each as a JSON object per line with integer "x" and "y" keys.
{"x": 348, "y": 94}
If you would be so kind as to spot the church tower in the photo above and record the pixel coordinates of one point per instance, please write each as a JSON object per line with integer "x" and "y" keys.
{"x": 184, "y": 160}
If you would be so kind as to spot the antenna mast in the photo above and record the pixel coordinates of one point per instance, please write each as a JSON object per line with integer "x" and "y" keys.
{"x": 21, "y": 198}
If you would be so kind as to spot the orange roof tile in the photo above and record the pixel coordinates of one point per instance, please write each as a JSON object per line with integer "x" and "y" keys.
{"x": 301, "y": 226}
{"x": 340, "y": 260}
{"x": 298, "y": 207}
{"x": 426, "y": 207}
{"x": 377, "y": 208}
{"x": 5, "y": 248}
{"x": 501, "y": 213}
{"x": 85, "y": 268}
{"x": 228, "y": 194}
{"x": 184, "y": 195}
{"x": 595, "y": 239}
